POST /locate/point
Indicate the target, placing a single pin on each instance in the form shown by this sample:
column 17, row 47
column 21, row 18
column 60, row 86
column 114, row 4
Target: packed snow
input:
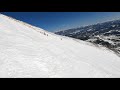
column 29, row 51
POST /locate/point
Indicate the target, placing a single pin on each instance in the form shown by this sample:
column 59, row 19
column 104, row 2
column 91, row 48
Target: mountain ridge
column 89, row 25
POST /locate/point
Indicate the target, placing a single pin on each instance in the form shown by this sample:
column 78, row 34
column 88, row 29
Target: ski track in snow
column 26, row 52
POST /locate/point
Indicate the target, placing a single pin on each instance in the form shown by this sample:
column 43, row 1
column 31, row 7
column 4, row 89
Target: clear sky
column 53, row 21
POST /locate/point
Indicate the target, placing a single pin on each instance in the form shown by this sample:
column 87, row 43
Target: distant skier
column 44, row 33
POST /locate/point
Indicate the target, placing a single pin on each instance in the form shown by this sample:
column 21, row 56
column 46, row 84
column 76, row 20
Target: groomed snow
column 28, row 51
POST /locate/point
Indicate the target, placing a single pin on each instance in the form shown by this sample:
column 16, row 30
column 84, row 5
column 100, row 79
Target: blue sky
column 53, row 21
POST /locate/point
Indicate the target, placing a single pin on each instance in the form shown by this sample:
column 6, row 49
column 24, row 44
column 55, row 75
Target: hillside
column 29, row 51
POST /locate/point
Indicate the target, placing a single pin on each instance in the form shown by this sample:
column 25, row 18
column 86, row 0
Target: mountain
column 29, row 51
column 105, row 34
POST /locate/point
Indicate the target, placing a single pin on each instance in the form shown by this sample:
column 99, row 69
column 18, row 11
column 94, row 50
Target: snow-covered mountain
column 29, row 51
column 104, row 34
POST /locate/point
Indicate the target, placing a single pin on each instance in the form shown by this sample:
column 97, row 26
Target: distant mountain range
column 104, row 34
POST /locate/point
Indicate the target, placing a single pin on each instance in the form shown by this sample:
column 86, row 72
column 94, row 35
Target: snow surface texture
column 27, row 51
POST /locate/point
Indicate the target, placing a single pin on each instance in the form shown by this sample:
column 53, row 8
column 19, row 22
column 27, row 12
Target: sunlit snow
column 28, row 51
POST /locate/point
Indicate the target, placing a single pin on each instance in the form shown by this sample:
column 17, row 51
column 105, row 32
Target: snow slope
column 28, row 51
